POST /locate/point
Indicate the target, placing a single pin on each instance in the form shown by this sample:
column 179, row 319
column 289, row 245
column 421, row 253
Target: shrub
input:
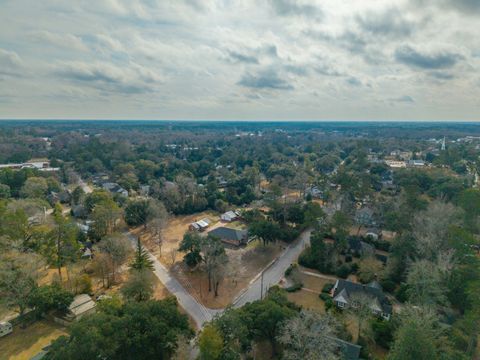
column 329, row 304
column 325, row 297
column 383, row 332
column 343, row 271
column 289, row 270
column 327, row 288
column 402, row 293
column 388, row 285
column 294, row 287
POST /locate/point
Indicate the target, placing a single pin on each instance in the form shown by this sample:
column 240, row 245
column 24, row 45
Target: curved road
column 271, row 276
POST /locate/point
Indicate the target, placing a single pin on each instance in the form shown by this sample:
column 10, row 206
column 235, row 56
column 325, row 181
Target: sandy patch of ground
column 244, row 264
column 25, row 343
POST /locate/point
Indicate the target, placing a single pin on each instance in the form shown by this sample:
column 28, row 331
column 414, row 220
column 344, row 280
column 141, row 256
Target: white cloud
column 240, row 58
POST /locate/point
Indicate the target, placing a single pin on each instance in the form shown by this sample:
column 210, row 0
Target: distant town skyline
column 240, row 60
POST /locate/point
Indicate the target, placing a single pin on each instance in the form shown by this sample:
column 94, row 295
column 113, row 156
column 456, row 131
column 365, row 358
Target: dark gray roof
column 349, row 351
column 370, row 290
column 229, row 233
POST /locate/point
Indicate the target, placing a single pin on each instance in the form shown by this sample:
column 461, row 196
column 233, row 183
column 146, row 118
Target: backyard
column 23, row 344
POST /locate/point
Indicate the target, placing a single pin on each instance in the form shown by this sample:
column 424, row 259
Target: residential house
column 230, row 236
column 358, row 248
column 364, row 216
column 114, row 188
column 375, row 234
column 344, row 293
column 314, row 192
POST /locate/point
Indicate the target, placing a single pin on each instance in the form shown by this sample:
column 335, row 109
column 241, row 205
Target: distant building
column 416, row 163
column 230, row 216
column 396, row 164
column 230, row 236
column 375, row 234
column 114, row 188
column 345, row 292
column 365, row 217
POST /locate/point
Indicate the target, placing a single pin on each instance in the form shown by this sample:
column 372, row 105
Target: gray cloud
column 10, row 63
column 404, row 99
column 353, row 81
column 294, row 7
column 413, row 58
column 268, row 79
column 108, row 77
column 389, row 23
column 243, row 58
column 440, row 75
column 252, row 56
column 468, row 7
column 296, row 69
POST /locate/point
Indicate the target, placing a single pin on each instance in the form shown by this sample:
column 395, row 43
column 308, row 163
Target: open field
column 244, row 264
column 23, row 344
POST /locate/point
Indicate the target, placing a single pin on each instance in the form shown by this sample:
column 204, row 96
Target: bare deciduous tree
column 309, row 336
column 173, row 256
column 157, row 221
column 215, row 258
column 426, row 282
column 116, row 249
column 431, row 228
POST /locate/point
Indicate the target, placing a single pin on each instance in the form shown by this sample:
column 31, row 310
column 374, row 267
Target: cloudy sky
column 240, row 59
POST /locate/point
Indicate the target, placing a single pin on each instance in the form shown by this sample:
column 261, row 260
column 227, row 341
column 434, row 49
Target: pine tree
column 142, row 260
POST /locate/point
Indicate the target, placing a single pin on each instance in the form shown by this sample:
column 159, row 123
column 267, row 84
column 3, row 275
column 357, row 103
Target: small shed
column 200, row 225
column 230, row 216
column 81, row 305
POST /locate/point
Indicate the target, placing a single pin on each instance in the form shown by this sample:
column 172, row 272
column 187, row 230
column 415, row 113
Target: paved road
column 273, row 274
column 196, row 310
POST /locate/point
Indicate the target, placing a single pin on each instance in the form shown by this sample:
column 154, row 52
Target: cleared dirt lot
column 244, row 264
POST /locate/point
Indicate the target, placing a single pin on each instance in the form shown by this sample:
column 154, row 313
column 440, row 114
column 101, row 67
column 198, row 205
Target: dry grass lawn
column 308, row 297
column 307, row 300
column 23, row 344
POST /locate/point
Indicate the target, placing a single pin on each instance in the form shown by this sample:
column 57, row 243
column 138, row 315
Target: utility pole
column 261, row 287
